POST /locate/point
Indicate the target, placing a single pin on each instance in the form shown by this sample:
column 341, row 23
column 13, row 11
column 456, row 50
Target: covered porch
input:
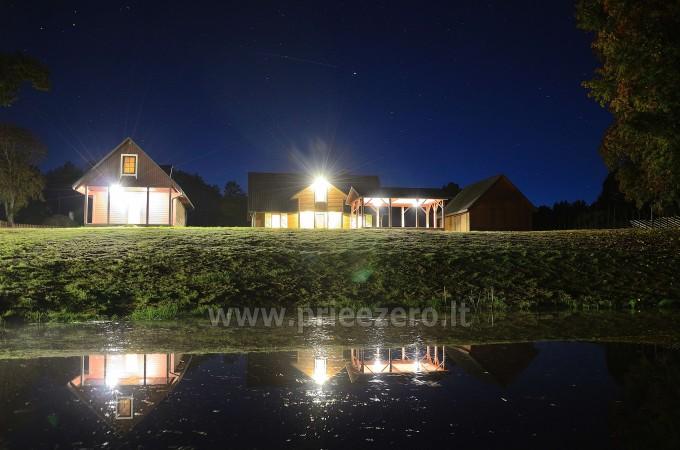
column 118, row 205
column 397, row 208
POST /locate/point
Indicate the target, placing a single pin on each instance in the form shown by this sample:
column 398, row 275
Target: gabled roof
column 467, row 198
column 276, row 191
column 150, row 174
column 469, row 195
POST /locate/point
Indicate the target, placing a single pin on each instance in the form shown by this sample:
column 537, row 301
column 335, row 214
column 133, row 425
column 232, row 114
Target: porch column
column 170, row 206
column 402, row 217
column 87, row 201
column 427, row 217
column 443, row 224
column 351, row 214
column 363, row 213
column 417, row 208
column 108, row 205
column 389, row 216
column 434, row 215
column 147, row 205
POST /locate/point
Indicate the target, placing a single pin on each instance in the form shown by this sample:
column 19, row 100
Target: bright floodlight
column 320, row 187
column 115, row 188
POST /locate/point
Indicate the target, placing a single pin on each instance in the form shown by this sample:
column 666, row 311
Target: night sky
column 418, row 93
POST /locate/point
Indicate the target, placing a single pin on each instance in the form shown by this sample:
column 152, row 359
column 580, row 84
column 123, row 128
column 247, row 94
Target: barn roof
column 151, row 174
column 470, row 194
column 467, row 198
column 269, row 191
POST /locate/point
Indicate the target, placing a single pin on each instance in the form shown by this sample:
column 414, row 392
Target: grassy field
column 53, row 274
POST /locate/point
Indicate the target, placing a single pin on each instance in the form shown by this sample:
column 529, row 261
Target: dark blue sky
column 418, row 93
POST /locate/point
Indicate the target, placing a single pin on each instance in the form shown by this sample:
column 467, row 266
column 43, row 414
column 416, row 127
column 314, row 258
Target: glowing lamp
column 320, row 187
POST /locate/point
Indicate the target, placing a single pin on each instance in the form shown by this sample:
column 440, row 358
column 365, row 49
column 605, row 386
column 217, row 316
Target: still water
column 413, row 395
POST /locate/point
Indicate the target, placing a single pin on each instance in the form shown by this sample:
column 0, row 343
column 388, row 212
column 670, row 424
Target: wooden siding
column 100, row 206
column 457, row 222
column 335, row 197
column 180, row 214
column 501, row 208
column 259, row 219
column 159, row 206
column 293, row 220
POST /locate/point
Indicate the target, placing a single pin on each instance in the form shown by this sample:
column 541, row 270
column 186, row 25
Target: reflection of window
column 124, row 408
column 128, row 165
column 307, row 219
column 320, row 370
column 334, row 220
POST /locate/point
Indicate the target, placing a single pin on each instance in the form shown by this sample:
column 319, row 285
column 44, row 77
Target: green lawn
column 138, row 272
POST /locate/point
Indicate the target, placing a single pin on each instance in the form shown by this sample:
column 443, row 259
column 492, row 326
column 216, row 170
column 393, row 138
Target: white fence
column 661, row 222
column 4, row 224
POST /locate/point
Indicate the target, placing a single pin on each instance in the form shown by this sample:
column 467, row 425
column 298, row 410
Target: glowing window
column 276, row 220
column 128, row 165
column 307, row 219
column 334, row 220
column 320, row 220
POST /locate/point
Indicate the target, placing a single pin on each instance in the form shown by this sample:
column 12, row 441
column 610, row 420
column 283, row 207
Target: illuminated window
column 307, row 219
column 320, row 220
column 128, row 165
column 276, row 220
column 320, row 195
column 334, row 220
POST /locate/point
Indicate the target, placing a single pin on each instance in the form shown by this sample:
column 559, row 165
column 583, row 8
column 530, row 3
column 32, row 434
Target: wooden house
column 128, row 188
column 288, row 200
column 493, row 204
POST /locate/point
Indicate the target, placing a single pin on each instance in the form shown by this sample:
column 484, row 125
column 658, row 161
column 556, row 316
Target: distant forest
column 227, row 206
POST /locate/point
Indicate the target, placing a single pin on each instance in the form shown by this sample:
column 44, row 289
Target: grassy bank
column 148, row 273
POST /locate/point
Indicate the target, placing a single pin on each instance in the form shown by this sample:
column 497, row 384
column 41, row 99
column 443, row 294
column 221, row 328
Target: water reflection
column 536, row 395
column 121, row 389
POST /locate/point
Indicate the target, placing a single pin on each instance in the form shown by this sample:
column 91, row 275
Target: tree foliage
column 212, row 207
column 451, row 189
column 17, row 69
column 20, row 179
column 638, row 44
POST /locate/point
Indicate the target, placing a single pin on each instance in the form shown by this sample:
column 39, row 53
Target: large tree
column 17, row 69
column 638, row 44
column 20, row 179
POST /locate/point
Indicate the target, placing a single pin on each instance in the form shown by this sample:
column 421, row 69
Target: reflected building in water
column 123, row 388
column 498, row 364
column 400, row 361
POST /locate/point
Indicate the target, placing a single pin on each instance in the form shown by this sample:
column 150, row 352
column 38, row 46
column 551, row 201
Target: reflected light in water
column 320, row 376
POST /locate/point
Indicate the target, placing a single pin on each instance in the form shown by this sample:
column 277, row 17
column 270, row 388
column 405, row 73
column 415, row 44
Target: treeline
column 610, row 210
column 60, row 205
